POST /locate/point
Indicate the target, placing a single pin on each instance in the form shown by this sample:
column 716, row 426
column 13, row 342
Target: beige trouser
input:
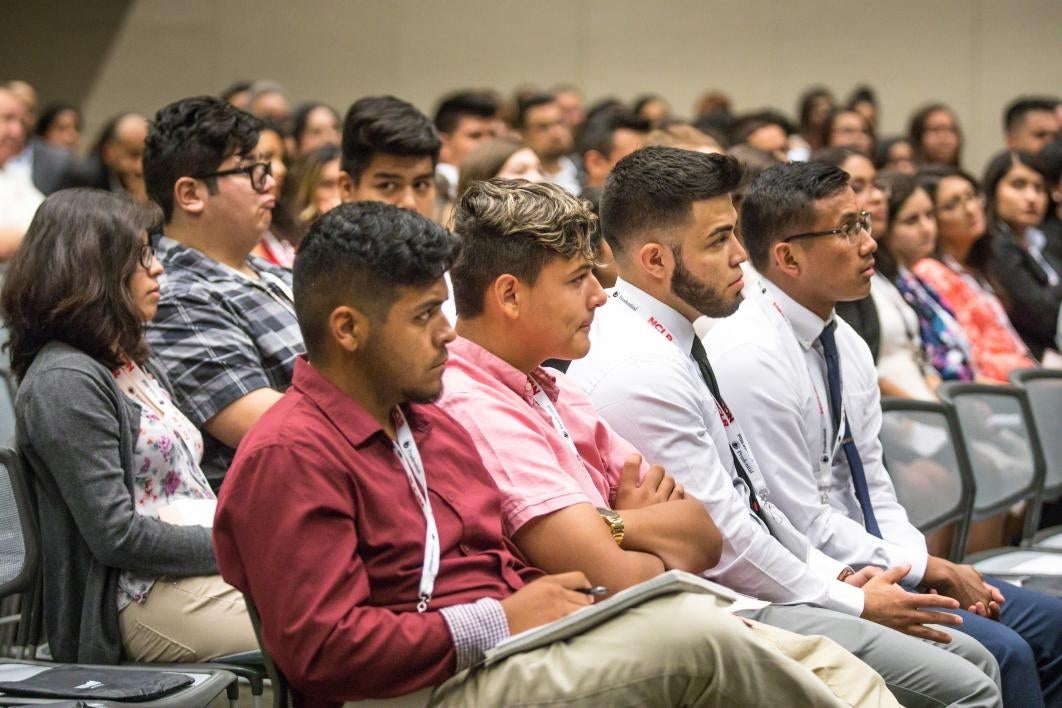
column 187, row 619
column 678, row 650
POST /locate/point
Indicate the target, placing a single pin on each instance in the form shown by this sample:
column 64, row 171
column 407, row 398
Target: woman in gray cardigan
column 107, row 449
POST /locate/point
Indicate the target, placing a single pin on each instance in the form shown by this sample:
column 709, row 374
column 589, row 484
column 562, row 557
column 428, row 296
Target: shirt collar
column 176, row 253
column 347, row 415
column 806, row 324
column 666, row 320
column 523, row 385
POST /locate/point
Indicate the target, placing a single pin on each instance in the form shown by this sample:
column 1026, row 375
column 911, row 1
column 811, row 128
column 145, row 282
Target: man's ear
column 189, row 195
column 507, row 295
column 786, row 258
column 349, row 327
column 656, row 260
column 347, row 187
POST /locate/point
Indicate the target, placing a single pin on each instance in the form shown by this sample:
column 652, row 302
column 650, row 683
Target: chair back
column 7, row 407
column 281, row 693
column 1044, row 390
column 19, row 550
column 926, row 458
column 1003, row 447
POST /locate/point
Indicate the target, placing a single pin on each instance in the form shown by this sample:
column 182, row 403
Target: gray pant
column 918, row 672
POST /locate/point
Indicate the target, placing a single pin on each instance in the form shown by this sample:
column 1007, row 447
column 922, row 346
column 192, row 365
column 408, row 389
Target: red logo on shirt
column 660, row 328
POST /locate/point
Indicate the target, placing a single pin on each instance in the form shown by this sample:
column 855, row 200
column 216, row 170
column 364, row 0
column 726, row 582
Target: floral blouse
column 165, row 461
column 997, row 349
column 944, row 342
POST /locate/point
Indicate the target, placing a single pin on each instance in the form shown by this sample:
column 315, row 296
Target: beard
column 699, row 295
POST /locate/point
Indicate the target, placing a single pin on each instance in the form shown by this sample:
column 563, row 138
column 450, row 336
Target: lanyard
column 734, row 435
column 824, row 463
column 542, row 399
column 405, row 448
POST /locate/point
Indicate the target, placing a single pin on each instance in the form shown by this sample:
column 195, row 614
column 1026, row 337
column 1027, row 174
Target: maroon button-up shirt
column 317, row 524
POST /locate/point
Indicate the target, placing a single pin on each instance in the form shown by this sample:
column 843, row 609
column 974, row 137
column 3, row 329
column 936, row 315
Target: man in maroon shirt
column 361, row 522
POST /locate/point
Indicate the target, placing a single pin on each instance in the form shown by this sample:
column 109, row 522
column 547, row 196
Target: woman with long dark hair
column 958, row 272
column 110, row 455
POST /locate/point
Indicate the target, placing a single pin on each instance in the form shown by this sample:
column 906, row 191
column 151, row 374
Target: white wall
column 972, row 54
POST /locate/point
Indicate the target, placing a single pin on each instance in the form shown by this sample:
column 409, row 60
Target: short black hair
column 655, row 187
column 598, row 132
column 51, row 113
column 360, row 254
column 782, row 198
column 527, row 103
column 191, row 137
column 837, row 155
column 460, row 104
column 746, row 125
column 389, row 125
column 1017, row 109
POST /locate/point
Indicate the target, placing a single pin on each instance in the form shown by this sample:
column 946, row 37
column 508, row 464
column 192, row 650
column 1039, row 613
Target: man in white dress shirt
column 801, row 380
column 19, row 199
column 669, row 218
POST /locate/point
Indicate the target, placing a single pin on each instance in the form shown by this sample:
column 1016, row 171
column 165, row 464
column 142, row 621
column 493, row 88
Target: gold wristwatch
column 614, row 522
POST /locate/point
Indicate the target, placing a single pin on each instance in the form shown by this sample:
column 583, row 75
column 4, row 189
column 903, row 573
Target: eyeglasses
column 960, row 202
column 850, row 230
column 147, row 255
column 258, row 172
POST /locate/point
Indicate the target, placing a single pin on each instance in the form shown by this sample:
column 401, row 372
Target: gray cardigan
column 77, row 432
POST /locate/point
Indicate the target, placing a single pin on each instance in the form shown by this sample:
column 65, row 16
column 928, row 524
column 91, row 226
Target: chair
column 927, row 461
column 1008, row 467
column 19, row 574
column 1044, row 390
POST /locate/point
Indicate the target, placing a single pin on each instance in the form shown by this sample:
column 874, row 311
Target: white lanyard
column 734, row 435
column 406, row 451
column 542, row 399
column 824, row 464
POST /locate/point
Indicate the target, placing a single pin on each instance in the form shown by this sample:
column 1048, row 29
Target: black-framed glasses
column 147, row 255
column 258, row 172
column 851, row 230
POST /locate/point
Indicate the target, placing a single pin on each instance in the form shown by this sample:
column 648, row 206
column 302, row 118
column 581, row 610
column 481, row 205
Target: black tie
column 701, row 357
column 851, row 453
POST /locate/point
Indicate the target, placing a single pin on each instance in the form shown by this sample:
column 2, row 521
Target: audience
column 225, row 331
column 60, row 125
column 935, row 136
column 941, row 280
column 115, row 162
column 958, row 271
column 107, row 449
column 19, row 198
column 465, row 120
column 668, row 215
column 816, row 396
column 1030, row 123
column 315, row 125
column 1027, row 267
column 360, row 607
column 542, row 128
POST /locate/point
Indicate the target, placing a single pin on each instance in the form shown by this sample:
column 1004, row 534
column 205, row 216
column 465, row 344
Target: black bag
column 97, row 682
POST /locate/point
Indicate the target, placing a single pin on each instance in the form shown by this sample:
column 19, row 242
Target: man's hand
column 888, row 604
column 965, row 584
column 862, row 577
column 655, row 488
column 544, row 600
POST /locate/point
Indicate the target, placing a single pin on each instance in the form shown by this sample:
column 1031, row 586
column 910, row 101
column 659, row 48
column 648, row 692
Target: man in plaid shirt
column 225, row 329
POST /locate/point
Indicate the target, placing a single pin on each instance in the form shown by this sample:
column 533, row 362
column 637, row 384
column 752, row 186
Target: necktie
column 855, row 464
column 701, row 357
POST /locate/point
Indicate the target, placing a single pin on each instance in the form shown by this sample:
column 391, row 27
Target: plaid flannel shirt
column 221, row 335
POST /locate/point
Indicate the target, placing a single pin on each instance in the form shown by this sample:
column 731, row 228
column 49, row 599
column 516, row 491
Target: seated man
column 816, row 400
column 362, row 524
column 524, row 293
column 225, row 328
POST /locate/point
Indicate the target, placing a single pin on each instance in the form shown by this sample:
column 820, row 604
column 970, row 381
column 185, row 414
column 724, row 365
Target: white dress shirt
column 19, row 199
column 642, row 379
column 772, row 374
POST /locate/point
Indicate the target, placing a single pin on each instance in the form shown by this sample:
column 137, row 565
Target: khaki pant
column 187, row 620
column 678, row 650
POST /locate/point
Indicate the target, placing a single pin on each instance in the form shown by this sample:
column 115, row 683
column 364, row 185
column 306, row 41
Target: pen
column 596, row 590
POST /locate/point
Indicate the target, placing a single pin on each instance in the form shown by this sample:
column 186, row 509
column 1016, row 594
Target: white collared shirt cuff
column 919, row 560
column 845, row 598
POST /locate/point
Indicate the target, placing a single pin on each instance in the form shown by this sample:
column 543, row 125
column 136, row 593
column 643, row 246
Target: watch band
column 614, row 522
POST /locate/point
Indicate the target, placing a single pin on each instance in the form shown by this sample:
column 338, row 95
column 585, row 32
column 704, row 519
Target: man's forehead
column 833, row 207
column 405, row 164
